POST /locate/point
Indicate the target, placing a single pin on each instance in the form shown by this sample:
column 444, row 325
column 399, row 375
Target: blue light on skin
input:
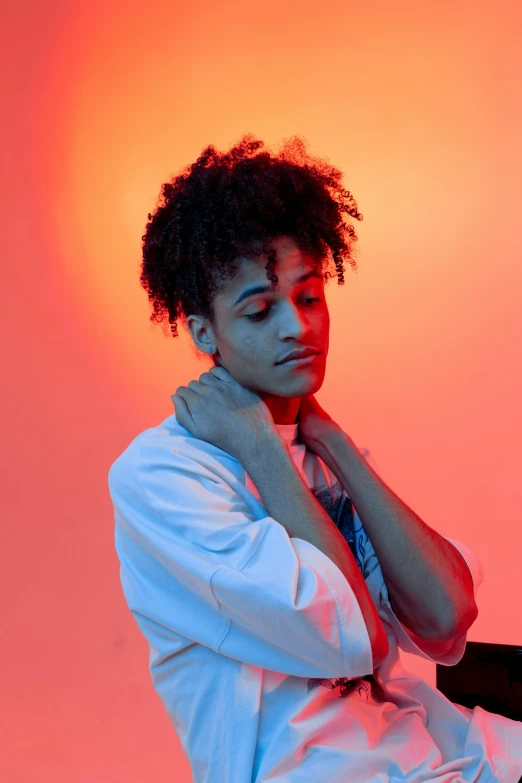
column 249, row 349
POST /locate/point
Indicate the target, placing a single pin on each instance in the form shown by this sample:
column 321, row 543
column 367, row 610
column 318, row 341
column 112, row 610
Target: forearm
column 428, row 581
column 289, row 501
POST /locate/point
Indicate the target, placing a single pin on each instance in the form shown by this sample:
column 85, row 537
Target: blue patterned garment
column 339, row 507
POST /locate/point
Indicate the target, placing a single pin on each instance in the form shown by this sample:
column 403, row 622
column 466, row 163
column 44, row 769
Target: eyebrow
column 261, row 289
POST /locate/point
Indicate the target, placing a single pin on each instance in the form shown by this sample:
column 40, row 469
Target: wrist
column 268, row 438
column 262, row 446
column 327, row 443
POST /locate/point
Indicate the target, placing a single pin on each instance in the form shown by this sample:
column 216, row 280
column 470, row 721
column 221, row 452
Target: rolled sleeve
column 291, row 609
column 446, row 653
column 196, row 563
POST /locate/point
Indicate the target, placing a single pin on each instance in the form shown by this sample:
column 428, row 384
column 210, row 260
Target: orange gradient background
column 419, row 105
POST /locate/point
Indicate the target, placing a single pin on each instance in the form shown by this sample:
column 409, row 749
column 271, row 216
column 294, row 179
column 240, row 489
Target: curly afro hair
column 229, row 206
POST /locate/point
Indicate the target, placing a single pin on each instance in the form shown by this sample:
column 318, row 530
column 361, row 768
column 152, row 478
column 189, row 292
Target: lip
column 301, row 362
column 309, row 351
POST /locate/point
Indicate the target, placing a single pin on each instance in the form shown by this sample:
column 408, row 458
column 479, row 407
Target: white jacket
column 250, row 632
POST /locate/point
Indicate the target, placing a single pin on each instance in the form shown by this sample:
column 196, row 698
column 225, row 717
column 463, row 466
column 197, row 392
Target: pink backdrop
column 419, row 104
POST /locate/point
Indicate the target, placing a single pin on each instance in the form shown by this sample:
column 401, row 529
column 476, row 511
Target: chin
column 307, row 383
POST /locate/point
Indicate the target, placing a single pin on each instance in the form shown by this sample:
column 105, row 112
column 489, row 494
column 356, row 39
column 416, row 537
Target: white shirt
column 250, row 630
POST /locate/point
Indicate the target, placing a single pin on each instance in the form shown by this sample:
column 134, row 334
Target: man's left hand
column 315, row 424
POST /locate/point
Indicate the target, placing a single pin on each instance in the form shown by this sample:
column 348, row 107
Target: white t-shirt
column 250, row 632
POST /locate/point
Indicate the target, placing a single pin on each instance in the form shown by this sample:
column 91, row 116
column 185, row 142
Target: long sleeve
column 194, row 562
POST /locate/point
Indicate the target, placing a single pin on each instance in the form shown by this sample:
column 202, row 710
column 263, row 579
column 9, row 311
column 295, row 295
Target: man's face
column 293, row 316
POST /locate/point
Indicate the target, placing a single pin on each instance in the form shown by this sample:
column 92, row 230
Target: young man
column 272, row 572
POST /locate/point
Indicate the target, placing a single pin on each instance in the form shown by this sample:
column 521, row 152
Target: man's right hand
column 221, row 411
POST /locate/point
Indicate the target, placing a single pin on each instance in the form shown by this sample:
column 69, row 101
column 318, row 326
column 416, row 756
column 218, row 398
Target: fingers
column 204, row 380
column 216, row 375
column 193, row 385
column 184, row 391
column 211, row 378
column 220, row 372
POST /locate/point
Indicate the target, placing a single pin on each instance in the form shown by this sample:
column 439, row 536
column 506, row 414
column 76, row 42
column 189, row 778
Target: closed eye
column 263, row 313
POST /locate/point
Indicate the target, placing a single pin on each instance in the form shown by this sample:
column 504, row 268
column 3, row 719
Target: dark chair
column 489, row 675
